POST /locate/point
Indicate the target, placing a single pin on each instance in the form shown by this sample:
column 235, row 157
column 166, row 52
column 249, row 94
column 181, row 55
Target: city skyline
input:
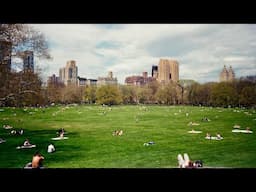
column 130, row 49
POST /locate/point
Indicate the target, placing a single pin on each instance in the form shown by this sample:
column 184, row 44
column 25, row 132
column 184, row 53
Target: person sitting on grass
column 20, row 132
column 27, row 143
column 61, row 132
column 120, row 132
column 115, row 133
column 208, row 136
column 37, row 160
column 51, row 148
column 61, row 135
column 219, row 136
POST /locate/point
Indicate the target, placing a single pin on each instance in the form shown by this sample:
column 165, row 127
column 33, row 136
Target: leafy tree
column 144, row 94
column 224, row 94
column 128, row 94
column 248, row 95
column 167, row 94
column 108, row 95
column 90, row 94
column 153, row 86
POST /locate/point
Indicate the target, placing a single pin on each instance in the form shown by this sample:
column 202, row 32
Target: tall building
column 109, row 80
column 68, row 74
column 174, row 70
column 231, row 74
column 227, row 75
column 164, row 70
column 28, row 61
column 5, row 55
column 167, row 70
column 224, row 74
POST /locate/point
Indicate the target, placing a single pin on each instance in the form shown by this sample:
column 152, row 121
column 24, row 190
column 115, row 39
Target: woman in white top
column 51, row 148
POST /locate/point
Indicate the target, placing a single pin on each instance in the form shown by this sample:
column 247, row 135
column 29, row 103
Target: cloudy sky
column 129, row 49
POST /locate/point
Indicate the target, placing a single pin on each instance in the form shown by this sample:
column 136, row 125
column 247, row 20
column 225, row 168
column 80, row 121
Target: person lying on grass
column 2, row 140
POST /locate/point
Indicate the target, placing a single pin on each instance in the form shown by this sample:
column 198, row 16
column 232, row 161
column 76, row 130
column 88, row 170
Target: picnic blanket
column 194, row 131
column 59, row 138
column 214, row 138
column 241, row 131
column 26, row 147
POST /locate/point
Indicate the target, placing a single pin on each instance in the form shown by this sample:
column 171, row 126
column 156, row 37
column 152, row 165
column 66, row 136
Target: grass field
column 92, row 145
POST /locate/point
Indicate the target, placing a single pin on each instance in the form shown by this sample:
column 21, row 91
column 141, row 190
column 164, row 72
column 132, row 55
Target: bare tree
column 15, row 39
column 24, row 37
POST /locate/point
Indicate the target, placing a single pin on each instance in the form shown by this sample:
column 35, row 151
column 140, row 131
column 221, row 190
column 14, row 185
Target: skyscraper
column 5, row 55
column 227, row 75
column 231, row 74
column 168, row 70
column 28, row 61
column 68, row 74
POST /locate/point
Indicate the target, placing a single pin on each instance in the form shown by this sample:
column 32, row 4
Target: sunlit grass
column 92, row 145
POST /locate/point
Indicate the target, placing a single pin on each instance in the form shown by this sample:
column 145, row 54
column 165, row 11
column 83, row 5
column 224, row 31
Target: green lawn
column 91, row 144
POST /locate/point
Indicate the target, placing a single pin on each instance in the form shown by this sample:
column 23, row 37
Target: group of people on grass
column 117, row 133
column 37, row 160
column 17, row 132
column 217, row 137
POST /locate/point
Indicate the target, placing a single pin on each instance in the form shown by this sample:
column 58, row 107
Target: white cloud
column 238, row 58
column 201, row 49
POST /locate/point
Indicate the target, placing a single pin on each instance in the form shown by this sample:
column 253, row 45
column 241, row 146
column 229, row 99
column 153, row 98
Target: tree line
column 223, row 94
